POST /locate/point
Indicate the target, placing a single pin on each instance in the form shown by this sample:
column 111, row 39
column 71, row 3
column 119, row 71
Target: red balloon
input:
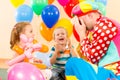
column 68, row 7
column 76, row 34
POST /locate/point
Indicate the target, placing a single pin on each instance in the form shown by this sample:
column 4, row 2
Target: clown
column 104, row 48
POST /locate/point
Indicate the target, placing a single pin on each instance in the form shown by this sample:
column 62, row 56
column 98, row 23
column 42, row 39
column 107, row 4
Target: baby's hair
column 15, row 34
column 60, row 27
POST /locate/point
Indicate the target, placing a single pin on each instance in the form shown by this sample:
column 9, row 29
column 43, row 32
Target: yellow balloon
column 65, row 23
column 85, row 0
column 81, row 0
column 17, row 3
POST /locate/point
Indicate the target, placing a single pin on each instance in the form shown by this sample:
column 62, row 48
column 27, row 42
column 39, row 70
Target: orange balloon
column 40, row 66
column 46, row 32
column 44, row 48
column 50, row 1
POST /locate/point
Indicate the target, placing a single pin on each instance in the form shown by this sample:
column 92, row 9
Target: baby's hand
column 69, row 44
column 59, row 47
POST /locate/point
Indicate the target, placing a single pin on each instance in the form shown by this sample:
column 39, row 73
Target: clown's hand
column 28, row 53
column 80, row 27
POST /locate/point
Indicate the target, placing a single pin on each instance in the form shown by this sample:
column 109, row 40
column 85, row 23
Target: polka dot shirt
column 104, row 31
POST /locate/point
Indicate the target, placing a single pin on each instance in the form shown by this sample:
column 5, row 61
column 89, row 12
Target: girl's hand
column 36, row 60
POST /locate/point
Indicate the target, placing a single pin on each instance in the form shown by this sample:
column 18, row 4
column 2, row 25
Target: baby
column 60, row 53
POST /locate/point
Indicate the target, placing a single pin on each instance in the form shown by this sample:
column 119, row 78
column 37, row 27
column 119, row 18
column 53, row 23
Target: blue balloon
column 24, row 13
column 50, row 15
column 45, row 57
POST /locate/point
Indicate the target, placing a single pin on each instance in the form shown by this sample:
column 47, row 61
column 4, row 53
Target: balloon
column 44, row 29
column 38, row 5
column 63, row 2
column 24, row 71
column 102, row 1
column 65, row 23
column 50, row 15
column 44, row 57
column 101, row 8
column 85, row 0
column 44, row 48
column 81, row 0
column 24, row 13
column 17, row 3
column 50, row 1
column 68, row 8
column 76, row 35
column 16, row 60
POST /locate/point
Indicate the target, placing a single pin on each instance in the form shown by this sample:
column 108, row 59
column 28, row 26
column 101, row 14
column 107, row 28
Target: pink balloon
column 24, row 71
column 63, row 2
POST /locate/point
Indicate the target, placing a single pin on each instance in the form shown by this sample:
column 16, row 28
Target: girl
column 23, row 44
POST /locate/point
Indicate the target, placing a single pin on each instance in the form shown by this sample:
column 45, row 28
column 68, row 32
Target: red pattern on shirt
column 104, row 31
column 118, row 68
